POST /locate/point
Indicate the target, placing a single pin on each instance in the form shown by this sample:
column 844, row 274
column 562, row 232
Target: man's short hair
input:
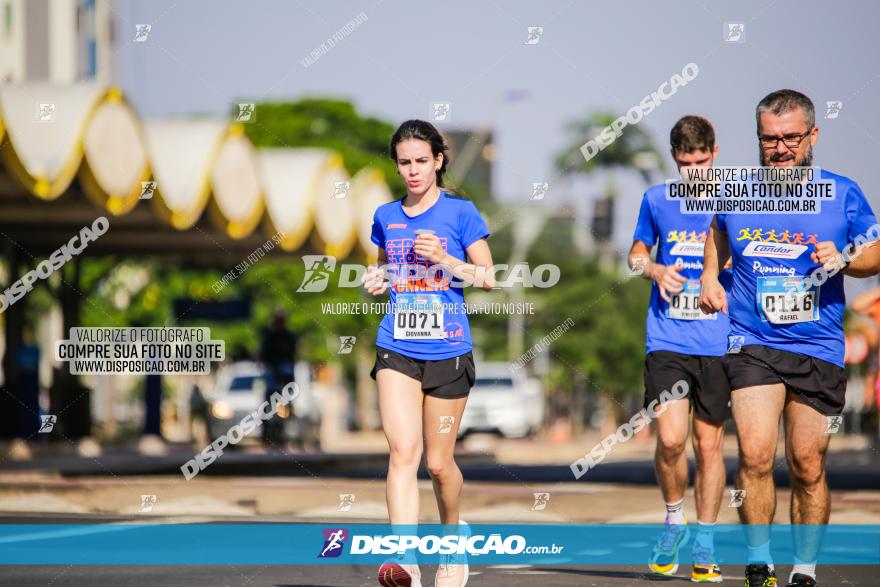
column 782, row 101
column 692, row 133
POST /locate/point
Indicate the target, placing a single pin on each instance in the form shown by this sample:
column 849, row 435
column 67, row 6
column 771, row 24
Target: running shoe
column 453, row 570
column 759, row 576
column 393, row 573
column 705, row 570
column 664, row 559
column 801, row 580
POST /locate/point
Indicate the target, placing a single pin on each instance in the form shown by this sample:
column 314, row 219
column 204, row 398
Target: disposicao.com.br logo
column 322, row 270
column 430, row 544
column 334, row 542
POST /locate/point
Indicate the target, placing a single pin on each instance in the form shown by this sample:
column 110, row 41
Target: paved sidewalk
column 283, row 499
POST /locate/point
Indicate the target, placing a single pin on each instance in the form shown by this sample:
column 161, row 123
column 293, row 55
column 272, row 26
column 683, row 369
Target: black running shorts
column 820, row 384
column 708, row 389
column 446, row 378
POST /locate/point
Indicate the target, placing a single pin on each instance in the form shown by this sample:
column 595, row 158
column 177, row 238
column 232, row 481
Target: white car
column 510, row 404
column 241, row 388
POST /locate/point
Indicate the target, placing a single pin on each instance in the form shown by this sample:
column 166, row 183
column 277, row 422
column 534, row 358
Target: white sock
column 761, row 555
column 705, row 535
column 802, row 568
column 675, row 512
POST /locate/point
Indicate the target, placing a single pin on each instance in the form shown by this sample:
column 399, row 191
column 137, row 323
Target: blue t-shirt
column 458, row 225
column 679, row 327
column 771, row 253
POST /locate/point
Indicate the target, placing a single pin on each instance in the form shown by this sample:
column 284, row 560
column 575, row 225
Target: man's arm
column 716, row 251
column 639, row 259
column 864, row 260
column 667, row 277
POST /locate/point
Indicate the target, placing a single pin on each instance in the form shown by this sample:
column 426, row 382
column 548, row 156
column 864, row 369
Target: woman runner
column 424, row 365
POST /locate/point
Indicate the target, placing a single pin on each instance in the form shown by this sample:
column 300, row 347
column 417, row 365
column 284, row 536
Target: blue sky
column 202, row 56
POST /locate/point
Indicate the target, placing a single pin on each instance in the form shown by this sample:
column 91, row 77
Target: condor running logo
column 334, row 542
column 687, row 249
column 687, row 244
column 788, row 237
column 774, row 250
column 683, row 236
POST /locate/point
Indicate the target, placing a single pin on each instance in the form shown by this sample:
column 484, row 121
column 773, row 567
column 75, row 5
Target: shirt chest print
column 411, row 271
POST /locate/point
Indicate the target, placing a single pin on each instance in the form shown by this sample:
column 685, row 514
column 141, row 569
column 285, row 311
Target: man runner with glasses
column 790, row 364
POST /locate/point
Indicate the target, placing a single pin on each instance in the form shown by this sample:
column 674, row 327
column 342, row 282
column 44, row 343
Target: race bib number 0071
column 685, row 305
column 418, row 316
column 780, row 302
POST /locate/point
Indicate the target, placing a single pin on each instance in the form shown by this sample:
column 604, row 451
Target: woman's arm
column 478, row 273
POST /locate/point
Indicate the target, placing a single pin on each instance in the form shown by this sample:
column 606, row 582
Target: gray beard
column 807, row 161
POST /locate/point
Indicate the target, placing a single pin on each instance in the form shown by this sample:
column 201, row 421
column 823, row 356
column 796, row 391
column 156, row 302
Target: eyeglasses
column 790, row 141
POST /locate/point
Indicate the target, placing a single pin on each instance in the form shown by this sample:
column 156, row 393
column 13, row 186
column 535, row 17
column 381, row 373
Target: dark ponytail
column 422, row 131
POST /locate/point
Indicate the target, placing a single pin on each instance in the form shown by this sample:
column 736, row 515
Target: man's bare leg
column 756, row 412
column 708, row 488
column 806, row 445
column 709, row 483
column 670, row 462
column 670, row 458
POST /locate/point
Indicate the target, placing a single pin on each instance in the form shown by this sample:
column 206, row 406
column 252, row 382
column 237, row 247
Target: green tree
column 362, row 141
column 633, row 149
column 604, row 349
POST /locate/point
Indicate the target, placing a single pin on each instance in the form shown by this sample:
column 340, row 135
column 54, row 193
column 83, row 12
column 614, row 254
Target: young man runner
column 682, row 345
column 790, row 363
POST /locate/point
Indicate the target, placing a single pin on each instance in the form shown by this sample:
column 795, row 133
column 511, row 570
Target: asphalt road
column 364, row 576
column 360, row 576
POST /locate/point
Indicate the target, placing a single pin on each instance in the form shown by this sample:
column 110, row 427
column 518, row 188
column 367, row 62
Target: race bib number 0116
column 685, row 305
column 418, row 316
column 780, row 302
